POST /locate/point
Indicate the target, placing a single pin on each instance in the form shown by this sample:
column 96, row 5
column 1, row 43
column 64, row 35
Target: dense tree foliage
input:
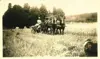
column 34, row 14
column 58, row 13
column 92, row 18
column 43, row 12
column 15, row 16
column 23, row 16
column 86, row 17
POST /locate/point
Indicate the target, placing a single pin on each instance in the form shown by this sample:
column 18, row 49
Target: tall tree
column 58, row 13
column 34, row 14
column 43, row 12
column 9, row 6
column 54, row 11
column 26, row 7
column 15, row 17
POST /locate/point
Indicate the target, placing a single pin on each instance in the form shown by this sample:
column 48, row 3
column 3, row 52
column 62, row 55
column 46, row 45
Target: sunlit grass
column 21, row 42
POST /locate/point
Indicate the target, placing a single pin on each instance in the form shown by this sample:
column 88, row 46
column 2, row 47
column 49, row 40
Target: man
column 38, row 25
column 39, row 21
column 90, row 48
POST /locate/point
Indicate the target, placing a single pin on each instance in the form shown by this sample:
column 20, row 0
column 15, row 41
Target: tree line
column 17, row 16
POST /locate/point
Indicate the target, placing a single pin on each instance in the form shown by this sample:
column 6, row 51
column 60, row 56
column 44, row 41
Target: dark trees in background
column 58, row 13
column 86, row 17
column 43, row 12
column 92, row 18
column 17, row 16
column 34, row 14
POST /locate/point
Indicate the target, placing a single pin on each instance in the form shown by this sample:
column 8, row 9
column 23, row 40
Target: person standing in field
column 38, row 25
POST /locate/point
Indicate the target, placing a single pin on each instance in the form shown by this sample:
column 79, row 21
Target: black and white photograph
column 52, row 28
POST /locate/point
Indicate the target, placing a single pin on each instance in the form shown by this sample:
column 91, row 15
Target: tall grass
column 21, row 42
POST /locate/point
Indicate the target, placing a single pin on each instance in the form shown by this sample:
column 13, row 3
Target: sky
column 70, row 7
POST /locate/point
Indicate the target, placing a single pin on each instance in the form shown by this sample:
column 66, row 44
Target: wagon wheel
column 32, row 31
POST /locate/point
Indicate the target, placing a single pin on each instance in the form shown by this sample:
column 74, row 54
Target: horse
column 60, row 27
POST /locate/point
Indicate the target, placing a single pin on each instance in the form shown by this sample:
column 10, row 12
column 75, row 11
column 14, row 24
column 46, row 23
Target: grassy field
column 21, row 42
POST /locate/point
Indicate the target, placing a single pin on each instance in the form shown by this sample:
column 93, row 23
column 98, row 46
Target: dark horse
column 54, row 27
column 60, row 27
column 46, row 27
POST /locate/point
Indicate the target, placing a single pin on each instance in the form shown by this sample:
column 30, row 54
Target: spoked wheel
column 32, row 31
